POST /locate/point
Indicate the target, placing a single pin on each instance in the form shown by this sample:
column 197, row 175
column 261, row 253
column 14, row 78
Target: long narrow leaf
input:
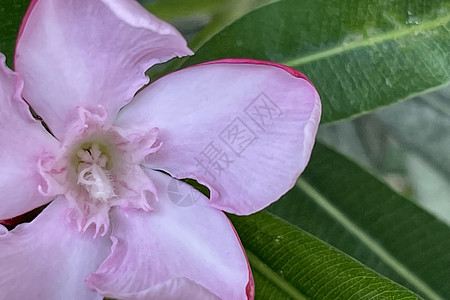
column 342, row 204
column 290, row 264
column 360, row 54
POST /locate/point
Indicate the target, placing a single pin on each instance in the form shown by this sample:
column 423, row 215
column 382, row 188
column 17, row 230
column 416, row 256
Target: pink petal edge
column 24, row 20
column 290, row 70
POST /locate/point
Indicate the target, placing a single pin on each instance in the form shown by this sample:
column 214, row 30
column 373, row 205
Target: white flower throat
column 94, row 174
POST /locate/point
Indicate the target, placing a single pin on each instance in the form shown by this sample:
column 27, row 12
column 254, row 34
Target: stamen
column 92, row 174
column 84, row 155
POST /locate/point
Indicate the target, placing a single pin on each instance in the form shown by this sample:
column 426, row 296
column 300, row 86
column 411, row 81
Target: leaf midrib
column 365, row 238
column 276, row 279
column 391, row 35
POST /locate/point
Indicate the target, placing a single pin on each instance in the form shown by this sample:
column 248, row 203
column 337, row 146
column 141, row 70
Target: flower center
column 94, row 172
column 99, row 168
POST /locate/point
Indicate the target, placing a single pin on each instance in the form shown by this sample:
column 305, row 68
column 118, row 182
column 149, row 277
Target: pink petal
column 174, row 289
column 89, row 52
column 48, row 259
column 172, row 246
column 243, row 128
column 24, row 143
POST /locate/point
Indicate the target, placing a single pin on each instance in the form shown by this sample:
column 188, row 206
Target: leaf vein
column 367, row 239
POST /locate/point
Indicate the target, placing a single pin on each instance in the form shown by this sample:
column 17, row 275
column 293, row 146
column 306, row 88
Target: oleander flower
column 119, row 223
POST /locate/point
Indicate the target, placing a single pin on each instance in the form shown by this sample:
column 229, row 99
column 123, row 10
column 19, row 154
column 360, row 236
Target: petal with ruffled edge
column 190, row 247
column 88, row 52
column 24, row 143
column 243, row 128
column 48, row 258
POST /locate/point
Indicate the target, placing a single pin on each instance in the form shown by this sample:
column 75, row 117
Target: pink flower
column 117, row 226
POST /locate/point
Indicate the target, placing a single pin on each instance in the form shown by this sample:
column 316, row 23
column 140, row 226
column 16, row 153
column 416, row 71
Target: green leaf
column 219, row 12
column 359, row 54
column 407, row 145
column 290, row 264
column 11, row 14
column 340, row 203
column 189, row 16
column 171, row 10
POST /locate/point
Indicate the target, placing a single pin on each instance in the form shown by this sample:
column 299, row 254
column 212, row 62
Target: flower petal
column 243, row 128
column 173, row 289
column 48, row 258
column 24, row 143
column 89, row 52
column 174, row 245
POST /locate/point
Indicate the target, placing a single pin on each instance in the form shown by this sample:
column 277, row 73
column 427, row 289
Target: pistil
column 93, row 174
